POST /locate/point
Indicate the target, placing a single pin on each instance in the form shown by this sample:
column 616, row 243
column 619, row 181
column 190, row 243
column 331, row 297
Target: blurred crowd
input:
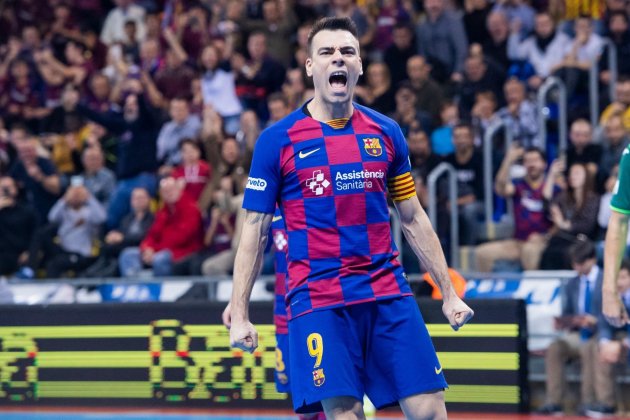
column 127, row 127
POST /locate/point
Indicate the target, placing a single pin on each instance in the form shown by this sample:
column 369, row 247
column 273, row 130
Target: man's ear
column 309, row 67
column 361, row 70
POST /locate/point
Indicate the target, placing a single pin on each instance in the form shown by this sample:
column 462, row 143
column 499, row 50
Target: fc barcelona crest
column 372, row 146
column 318, row 377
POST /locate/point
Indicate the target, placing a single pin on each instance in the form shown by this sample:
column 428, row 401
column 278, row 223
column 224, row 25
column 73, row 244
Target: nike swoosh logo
column 276, row 218
column 302, row 155
column 438, row 371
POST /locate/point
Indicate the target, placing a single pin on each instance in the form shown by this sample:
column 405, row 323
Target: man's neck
column 323, row 111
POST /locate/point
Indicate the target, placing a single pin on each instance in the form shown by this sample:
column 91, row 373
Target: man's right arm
column 249, row 257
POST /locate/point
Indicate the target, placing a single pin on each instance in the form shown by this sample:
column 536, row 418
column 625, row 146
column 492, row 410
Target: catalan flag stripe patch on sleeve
column 401, row 187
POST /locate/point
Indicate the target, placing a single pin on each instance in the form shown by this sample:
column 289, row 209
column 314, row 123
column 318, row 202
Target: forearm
column 248, row 261
column 502, row 179
column 425, row 244
column 614, row 250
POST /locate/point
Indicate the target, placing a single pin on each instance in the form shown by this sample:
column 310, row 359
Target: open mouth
column 338, row 80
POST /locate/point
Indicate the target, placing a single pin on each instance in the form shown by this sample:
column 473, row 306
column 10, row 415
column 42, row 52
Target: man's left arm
column 425, row 244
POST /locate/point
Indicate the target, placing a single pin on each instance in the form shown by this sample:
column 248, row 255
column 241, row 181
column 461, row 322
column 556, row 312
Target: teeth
column 338, row 73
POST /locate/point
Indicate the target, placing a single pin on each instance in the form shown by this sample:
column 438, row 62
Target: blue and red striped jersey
column 330, row 182
column 280, row 243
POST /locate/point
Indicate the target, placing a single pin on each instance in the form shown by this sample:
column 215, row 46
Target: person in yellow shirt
column 621, row 104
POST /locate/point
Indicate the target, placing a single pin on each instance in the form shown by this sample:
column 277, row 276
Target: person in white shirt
column 543, row 50
column 114, row 26
column 218, row 89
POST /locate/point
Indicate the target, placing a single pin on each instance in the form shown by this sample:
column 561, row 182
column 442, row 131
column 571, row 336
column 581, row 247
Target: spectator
column 181, row 126
column 174, row 76
column 257, row 77
column 278, row 105
column 17, row 225
column 406, row 114
column 609, row 353
column 420, row 154
column 114, row 26
column 581, row 300
column 175, row 234
column 574, row 215
column 363, row 21
column 483, row 114
column 99, row 93
column 19, row 98
column 519, row 114
column 530, row 216
column 441, row 40
column 133, row 229
column 136, row 160
column 495, row 48
column 34, row 174
column 620, row 105
column 478, row 77
column 378, row 93
column 468, row 164
column 150, row 59
column 475, row 19
column 396, row 56
column 294, row 88
column 517, row 11
column 218, row 88
column 543, row 50
column 619, row 34
column 222, row 263
column 75, row 221
column 130, row 45
column 614, row 142
column 278, row 25
column 99, row 181
column 390, row 13
column 582, row 149
column 428, row 92
column 579, row 55
column 442, row 137
column 193, row 170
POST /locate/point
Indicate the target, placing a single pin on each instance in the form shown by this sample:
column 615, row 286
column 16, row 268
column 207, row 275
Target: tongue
column 337, row 85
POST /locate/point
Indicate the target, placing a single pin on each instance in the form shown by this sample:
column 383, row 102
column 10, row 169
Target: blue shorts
column 282, row 363
column 381, row 349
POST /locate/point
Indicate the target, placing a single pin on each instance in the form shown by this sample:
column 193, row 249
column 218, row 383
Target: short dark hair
column 464, row 125
column 192, row 142
column 535, row 149
column 332, row 24
column 278, row 96
column 625, row 263
column 582, row 249
column 618, row 13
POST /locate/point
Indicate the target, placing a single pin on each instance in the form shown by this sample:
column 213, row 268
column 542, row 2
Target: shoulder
column 388, row 125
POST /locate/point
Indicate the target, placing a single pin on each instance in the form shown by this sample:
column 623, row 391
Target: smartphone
column 76, row 181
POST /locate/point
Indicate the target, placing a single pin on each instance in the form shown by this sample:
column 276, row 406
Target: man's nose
column 337, row 57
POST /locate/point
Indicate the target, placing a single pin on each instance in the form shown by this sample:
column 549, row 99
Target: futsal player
column 354, row 326
column 615, row 246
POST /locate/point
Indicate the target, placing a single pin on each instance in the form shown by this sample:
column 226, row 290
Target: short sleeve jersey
column 330, row 182
column 279, row 237
column 620, row 201
column 529, row 210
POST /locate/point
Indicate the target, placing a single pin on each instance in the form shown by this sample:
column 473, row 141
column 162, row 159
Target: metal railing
column 543, row 112
column 488, row 179
column 452, row 196
column 593, row 81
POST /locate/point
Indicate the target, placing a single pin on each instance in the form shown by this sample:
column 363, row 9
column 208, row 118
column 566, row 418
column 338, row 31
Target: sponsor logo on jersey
column 318, row 183
column 257, row 184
